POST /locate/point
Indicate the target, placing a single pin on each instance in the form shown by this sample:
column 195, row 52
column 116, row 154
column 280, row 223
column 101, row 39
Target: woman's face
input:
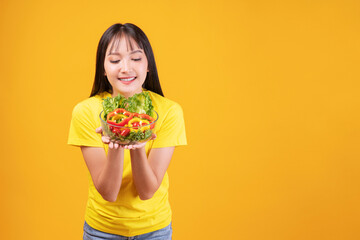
column 125, row 69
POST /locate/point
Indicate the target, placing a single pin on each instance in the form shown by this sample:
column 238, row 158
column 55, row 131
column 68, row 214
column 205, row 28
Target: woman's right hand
column 105, row 168
column 107, row 140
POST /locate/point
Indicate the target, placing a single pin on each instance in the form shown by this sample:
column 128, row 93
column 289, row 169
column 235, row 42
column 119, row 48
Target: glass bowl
column 128, row 134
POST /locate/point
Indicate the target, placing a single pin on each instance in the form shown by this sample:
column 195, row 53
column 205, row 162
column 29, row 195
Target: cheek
column 109, row 68
column 145, row 67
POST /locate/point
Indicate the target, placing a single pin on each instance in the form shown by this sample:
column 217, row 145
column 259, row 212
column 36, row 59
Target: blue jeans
column 93, row 234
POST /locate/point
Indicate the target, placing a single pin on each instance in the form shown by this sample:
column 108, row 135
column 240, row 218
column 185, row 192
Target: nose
column 124, row 66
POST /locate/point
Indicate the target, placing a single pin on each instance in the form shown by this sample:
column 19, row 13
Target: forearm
column 109, row 180
column 144, row 178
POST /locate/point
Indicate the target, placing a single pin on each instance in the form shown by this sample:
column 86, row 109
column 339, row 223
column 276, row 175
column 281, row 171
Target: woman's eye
column 114, row 61
column 137, row 59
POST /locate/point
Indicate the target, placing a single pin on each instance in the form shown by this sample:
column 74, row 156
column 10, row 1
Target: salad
column 128, row 120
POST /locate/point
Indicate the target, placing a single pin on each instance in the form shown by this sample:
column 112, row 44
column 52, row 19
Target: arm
column 149, row 172
column 106, row 171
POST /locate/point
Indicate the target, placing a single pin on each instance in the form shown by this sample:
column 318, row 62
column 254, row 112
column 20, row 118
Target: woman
column 128, row 185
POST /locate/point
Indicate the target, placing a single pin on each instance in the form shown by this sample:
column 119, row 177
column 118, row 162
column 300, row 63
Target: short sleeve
column 82, row 128
column 172, row 130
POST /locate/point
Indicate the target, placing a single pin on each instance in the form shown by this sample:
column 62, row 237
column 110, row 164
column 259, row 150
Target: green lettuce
column 112, row 103
column 139, row 103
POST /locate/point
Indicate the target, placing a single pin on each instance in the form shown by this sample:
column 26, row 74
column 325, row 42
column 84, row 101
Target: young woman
column 128, row 185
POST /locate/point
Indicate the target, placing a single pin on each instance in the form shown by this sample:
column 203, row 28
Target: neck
column 125, row 94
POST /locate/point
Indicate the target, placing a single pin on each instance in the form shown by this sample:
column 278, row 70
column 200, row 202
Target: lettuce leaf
column 112, row 103
column 139, row 103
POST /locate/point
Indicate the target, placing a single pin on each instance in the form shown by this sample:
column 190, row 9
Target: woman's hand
column 140, row 145
column 107, row 140
column 115, row 145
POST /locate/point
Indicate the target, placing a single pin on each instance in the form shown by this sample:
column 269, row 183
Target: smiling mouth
column 127, row 79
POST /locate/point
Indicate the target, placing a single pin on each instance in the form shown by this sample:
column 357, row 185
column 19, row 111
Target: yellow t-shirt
column 129, row 215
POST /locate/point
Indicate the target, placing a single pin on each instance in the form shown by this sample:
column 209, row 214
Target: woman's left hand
column 140, row 145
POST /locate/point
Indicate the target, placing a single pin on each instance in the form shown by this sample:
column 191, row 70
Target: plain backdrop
column 270, row 93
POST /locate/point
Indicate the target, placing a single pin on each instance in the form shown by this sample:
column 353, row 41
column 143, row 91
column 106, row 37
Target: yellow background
column 270, row 92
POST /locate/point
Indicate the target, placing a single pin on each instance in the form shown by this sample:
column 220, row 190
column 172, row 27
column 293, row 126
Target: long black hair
column 131, row 31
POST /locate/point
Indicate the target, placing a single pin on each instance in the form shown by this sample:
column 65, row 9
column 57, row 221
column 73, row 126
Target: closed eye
column 137, row 59
column 115, row 61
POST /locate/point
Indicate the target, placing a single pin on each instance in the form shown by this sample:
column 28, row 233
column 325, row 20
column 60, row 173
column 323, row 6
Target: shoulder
column 89, row 106
column 170, row 127
column 163, row 104
column 168, row 110
column 85, row 119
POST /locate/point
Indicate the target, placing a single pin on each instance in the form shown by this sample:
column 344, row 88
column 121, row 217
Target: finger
column 136, row 146
column 98, row 130
column 116, row 145
column 153, row 136
column 111, row 145
column 105, row 139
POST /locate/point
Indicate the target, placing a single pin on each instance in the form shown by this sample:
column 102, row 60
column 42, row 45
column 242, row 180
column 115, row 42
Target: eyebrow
column 116, row 53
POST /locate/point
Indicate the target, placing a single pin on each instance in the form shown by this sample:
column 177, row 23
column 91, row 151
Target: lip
column 127, row 82
column 126, row 77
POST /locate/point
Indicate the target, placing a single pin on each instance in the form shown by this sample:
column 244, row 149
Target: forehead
column 122, row 43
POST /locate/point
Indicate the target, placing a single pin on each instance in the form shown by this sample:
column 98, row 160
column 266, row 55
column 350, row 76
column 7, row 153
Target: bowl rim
column 157, row 117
